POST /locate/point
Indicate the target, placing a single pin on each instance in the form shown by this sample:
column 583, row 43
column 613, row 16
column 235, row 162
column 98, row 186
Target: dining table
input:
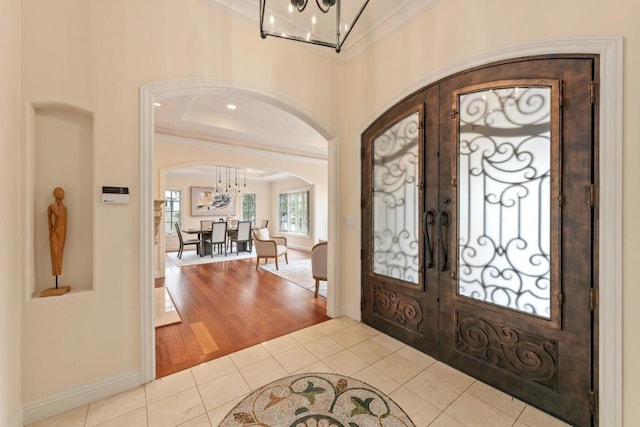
column 203, row 233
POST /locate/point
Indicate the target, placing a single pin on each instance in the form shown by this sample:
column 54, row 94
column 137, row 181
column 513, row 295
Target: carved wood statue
column 57, row 219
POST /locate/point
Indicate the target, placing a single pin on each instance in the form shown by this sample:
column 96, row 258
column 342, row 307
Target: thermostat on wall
column 115, row 194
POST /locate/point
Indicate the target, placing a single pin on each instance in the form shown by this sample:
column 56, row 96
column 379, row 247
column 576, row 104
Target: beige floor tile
column 323, row 347
column 137, row 418
column 199, row 421
column 329, row 327
column 388, row 342
column 471, row 411
column 112, row 407
column 217, row 415
column 223, row 390
column 419, row 410
column 434, row 389
column 169, row 385
column 262, row 373
column 416, row 357
column 306, row 335
column 505, row 403
column 397, row 367
column 295, row 359
column 370, row 351
column 280, row 345
column 74, row 418
column 346, row 321
column 374, row 377
column 249, row 356
column 533, row 417
column 349, row 337
column 445, row 420
column 366, row 330
column 213, row 369
column 455, row 377
column 345, row 363
column 316, row 367
column 176, row 409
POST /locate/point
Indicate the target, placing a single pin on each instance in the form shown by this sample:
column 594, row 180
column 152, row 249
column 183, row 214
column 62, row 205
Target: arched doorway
column 154, row 92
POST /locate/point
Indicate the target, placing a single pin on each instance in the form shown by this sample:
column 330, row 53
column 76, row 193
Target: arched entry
column 609, row 320
column 151, row 93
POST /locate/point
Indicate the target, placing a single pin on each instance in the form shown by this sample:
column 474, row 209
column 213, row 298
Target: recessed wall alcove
column 61, row 155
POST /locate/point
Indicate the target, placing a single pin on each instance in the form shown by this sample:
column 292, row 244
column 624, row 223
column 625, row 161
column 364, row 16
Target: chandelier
column 327, row 24
column 228, row 180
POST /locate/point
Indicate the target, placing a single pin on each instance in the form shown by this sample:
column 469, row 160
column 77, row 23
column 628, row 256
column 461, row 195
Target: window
column 172, row 210
column 249, row 208
column 294, row 212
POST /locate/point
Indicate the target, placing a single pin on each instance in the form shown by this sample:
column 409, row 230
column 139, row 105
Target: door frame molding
column 610, row 50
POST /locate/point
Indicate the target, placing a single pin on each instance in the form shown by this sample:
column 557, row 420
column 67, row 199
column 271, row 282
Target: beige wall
column 96, row 54
column 443, row 37
column 10, row 325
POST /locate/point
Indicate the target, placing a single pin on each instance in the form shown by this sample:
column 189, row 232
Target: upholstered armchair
column 319, row 263
column 269, row 246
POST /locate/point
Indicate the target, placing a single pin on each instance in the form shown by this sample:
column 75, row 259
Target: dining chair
column 319, row 263
column 242, row 235
column 269, row 246
column 218, row 237
column 264, row 223
column 187, row 242
column 206, row 224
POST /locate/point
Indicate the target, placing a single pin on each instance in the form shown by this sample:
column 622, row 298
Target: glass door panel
column 504, row 168
column 396, row 245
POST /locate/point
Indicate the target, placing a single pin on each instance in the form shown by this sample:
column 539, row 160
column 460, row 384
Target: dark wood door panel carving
column 504, row 231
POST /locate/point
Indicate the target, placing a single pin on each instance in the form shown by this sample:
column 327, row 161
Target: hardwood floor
column 228, row 306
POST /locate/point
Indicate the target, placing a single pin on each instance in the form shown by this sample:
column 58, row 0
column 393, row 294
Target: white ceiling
column 256, row 124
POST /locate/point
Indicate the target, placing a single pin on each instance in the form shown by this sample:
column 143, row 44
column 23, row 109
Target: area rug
column 165, row 310
column 298, row 272
column 191, row 258
column 317, row 399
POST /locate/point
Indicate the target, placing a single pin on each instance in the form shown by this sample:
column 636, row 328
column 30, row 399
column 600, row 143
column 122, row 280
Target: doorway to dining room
column 181, row 140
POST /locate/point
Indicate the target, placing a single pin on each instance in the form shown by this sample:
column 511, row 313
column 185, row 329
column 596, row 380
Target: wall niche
column 62, row 156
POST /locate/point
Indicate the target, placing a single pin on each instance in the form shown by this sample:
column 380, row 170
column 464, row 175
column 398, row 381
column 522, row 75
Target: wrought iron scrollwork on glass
column 395, row 201
column 504, row 198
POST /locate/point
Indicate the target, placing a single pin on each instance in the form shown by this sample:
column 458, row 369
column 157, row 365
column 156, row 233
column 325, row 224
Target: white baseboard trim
column 57, row 404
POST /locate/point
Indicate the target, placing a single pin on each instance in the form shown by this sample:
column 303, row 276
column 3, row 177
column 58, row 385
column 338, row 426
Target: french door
column 479, row 217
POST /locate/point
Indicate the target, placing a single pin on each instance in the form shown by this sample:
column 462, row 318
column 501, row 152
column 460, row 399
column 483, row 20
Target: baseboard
column 57, row 404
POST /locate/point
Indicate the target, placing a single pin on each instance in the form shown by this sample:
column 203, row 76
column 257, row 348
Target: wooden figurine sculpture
column 57, row 219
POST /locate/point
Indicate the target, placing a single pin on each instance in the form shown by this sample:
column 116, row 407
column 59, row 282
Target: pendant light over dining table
column 227, row 180
column 325, row 24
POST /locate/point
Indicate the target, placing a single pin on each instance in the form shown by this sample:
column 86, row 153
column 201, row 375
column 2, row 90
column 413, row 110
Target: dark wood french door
column 479, row 228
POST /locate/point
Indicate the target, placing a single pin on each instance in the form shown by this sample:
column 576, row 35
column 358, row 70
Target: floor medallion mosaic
column 317, row 400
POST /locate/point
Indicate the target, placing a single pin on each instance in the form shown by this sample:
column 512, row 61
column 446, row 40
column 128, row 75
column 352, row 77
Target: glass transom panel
column 504, row 198
column 395, row 201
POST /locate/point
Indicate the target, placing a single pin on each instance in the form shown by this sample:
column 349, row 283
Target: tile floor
column 431, row 393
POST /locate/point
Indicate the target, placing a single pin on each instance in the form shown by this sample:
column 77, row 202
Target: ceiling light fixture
column 226, row 180
column 295, row 22
column 231, row 106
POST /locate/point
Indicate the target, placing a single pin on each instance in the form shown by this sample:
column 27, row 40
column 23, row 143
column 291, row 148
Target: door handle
column 443, row 223
column 428, row 218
